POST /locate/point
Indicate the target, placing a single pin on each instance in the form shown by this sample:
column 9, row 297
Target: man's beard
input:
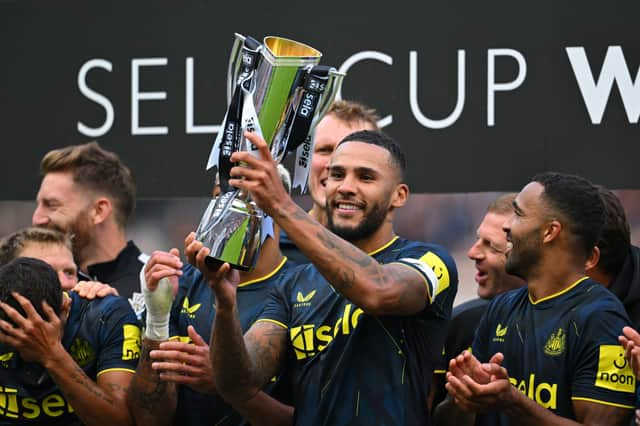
column 80, row 233
column 370, row 223
column 524, row 256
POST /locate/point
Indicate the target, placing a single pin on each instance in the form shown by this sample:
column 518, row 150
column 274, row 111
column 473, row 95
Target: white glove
column 158, row 304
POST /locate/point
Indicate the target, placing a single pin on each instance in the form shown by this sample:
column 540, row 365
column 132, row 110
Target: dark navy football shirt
column 195, row 305
column 349, row 367
column 101, row 335
column 559, row 349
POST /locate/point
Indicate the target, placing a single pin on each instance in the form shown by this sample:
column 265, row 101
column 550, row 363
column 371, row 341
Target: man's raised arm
column 394, row 288
column 151, row 399
column 242, row 366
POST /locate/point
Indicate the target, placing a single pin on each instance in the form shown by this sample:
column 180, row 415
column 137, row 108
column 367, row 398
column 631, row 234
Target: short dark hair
column 12, row 245
column 575, row 201
column 615, row 240
column 503, row 204
column 33, row 279
column 381, row 139
column 96, row 169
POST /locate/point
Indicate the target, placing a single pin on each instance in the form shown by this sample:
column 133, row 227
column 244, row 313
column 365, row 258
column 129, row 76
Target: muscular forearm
column 232, row 367
column 151, row 400
column 351, row 271
column 264, row 410
column 529, row 413
column 93, row 404
column 448, row 413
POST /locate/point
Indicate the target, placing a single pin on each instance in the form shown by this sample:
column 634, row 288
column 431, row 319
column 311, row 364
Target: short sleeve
column 602, row 374
column 119, row 334
column 435, row 266
column 277, row 309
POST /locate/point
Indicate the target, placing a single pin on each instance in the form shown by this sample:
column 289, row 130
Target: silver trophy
column 277, row 89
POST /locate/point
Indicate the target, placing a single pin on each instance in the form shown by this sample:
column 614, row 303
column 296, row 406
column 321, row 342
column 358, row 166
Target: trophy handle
column 333, row 87
column 235, row 61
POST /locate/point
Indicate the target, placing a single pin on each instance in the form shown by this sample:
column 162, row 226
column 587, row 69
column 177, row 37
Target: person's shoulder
column 421, row 254
column 294, row 276
column 109, row 305
column 428, row 250
column 596, row 301
column 507, row 301
column 471, row 307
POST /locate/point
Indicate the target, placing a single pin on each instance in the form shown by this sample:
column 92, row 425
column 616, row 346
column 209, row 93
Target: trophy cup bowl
column 275, row 88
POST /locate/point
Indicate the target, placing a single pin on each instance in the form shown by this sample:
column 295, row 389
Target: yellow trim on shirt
column 613, row 404
column 558, row 293
column 378, row 250
column 273, row 322
column 109, row 370
column 269, row 275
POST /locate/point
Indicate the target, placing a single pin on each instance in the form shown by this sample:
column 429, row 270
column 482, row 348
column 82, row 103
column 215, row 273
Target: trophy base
column 230, row 228
column 214, row 264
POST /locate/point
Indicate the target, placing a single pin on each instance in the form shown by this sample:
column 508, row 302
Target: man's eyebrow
column 364, row 170
column 516, row 207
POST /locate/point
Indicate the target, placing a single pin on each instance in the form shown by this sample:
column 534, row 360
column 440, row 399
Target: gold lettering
column 345, row 319
column 337, row 327
column 50, row 403
column 532, row 386
column 323, row 334
column 552, row 391
column 356, row 317
column 31, row 408
column 9, row 402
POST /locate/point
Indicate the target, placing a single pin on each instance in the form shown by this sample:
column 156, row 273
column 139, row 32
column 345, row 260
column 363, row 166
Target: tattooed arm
column 378, row 289
column 103, row 402
column 39, row 340
column 151, row 400
column 242, row 366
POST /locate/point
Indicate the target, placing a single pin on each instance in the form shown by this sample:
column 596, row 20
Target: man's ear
column 400, row 195
column 593, row 260
column 102, row 209
column 65, row 306
column 551, row 231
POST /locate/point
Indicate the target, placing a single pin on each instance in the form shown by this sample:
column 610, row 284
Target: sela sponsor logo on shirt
column 500, row 333
column 614, row 372
column 189, row 310
column 304, row 300
column 307, row 339
column 14, row 407
column 545, row 394
column 556, row 343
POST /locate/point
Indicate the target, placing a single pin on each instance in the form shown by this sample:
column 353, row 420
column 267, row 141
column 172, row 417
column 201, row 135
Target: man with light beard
column 361, row 326
column 89, row 193
column 548, row 353
column 488, row 253
column 343, row 118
